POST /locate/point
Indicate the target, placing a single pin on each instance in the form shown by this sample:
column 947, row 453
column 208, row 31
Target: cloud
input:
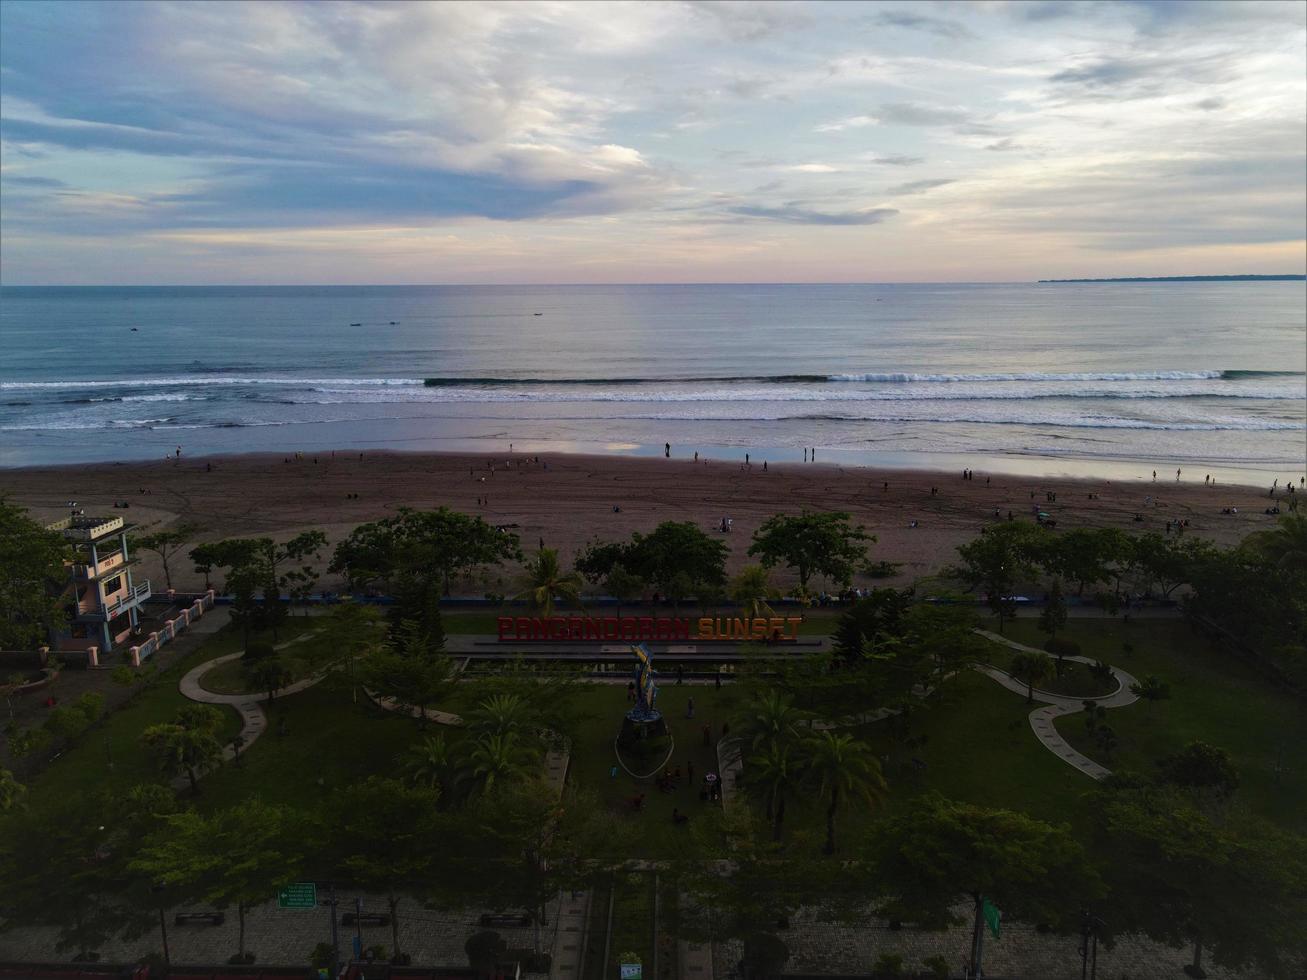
column 892, row 160
column 1210, row 104
column 938, row 26
column 920, row 186
column 805, row 216
column 25, row 181
column 852, row 122
column 920, row 114
column 814, row 168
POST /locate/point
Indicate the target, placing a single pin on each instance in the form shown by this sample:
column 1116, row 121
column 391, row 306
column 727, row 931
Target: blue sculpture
column 646, row 692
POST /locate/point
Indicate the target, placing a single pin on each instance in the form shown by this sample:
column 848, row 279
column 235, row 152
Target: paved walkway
column 1042, row 720
column 253, row 721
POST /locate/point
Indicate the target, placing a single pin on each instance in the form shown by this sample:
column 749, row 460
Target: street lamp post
column 1089, row 926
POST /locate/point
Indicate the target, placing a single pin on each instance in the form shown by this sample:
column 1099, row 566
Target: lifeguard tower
column 102, row 601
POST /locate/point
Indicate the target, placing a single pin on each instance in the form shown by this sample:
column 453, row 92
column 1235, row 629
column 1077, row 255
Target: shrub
column 91, row 705
column 936, row 966
column 1060, row 647
column 888, row 965
column 765, row 954
column 124, row 675
column 322, row 955
column 259, row 650
column 66, row 722
column 1101, row 671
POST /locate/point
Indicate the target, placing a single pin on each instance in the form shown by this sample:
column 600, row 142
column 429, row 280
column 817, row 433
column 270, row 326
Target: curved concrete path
column 1056, row 705
column 253, row 721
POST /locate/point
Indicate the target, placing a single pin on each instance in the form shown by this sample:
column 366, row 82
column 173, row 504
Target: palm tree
column 842, row 766
column 497, row 759
column 775, row 771
column 751, row 589
column 1031, row 666
column 1286, row 545
column 544, row 579
column 500, row 714
column 428, row 762
column 770, row 719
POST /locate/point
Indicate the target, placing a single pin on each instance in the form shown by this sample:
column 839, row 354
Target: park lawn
column 329, row 743
column 979, row 749
column 303, row 655
column 592, row 759
column 111, row 755
column 1214, row 699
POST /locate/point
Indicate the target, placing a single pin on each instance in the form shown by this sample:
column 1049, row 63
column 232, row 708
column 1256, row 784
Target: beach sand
column 567, row 500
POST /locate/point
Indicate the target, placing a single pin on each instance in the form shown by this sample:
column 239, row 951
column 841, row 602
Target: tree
column 812, row 543
column 1238, row 890
column 841, row 766
column 622, row 585
column 1206, row 770
column 269, row 674
column 545, row 580
column 751, row 589
column 1151, row 689
column 676, row 557
column 238, row 856
column 205, row 559
column 517, row 848
column 999, row 558
column 597, row 559
column 167, row 543
column 32, row 576
column 928, row 853
column 299, row 581
column 388, row 837
column 1086, row 556
column 776, row 770
column 1169, row 562
column 353, row 630
column 503, row 713
column 429, row 763
column 189, row 743
column 1285, row 547
column 945, row 635
column 496, row 760
column 1031, row 666
column 441, row 543
column 1053, row 616
column 415, row 681
column 869, row 623
column 57, row 872
column 770, row 719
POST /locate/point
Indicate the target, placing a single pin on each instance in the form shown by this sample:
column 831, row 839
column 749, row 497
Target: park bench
column 365, row 918
column 199, row 918
column 505, row 920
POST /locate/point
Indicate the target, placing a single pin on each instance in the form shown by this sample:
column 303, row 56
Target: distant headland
column 1188, row 279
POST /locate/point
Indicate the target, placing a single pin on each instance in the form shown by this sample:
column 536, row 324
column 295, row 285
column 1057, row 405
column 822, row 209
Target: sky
column 592, row 142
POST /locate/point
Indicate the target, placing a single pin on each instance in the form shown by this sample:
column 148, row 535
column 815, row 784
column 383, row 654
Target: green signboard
column 298, row 895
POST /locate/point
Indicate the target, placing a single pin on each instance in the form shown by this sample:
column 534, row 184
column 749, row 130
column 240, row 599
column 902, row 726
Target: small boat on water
column 356, row 324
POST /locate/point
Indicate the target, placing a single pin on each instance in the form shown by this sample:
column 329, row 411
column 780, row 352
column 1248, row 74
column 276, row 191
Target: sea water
column 1092, row 378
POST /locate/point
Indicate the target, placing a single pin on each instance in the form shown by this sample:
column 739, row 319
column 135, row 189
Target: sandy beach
column 567, row 500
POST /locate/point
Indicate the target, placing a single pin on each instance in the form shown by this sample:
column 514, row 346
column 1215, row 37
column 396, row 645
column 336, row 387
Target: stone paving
column 1020, row 953
column 286, row 937
column 1056, row 705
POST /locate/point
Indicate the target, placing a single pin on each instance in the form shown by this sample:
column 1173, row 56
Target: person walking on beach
column 667, row 450
column 1154, row 476
column 1177, row 475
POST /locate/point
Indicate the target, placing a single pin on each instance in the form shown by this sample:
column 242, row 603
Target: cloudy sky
column 364, row 142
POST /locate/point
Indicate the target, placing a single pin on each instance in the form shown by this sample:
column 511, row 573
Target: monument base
column 636, row 730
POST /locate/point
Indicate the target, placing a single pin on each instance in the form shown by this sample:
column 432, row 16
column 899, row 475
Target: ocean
column 1107, row 379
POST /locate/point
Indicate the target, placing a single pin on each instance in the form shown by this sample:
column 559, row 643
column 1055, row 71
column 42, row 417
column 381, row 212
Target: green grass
column 85, row 766
column 1214, row 699
column 302, row 655
column 593, row 758
column 330, row 743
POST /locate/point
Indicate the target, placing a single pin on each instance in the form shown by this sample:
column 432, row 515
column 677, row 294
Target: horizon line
column 1283, row 276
